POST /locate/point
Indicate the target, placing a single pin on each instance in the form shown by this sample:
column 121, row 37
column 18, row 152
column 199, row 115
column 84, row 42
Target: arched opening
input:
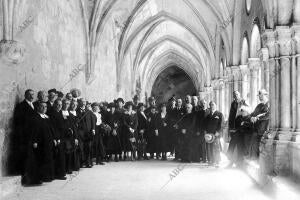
column 172, row 81
column 255, row 45
column 245, row 51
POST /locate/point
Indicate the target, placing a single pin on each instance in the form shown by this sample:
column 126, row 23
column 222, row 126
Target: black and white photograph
column 149, row 99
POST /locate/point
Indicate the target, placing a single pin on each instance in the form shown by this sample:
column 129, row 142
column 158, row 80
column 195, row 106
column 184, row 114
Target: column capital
column 244, row 69
column 263, row 54
column 269, row 41
column 228, row 71
column 284, row 37
column 236, row 72
column 296, row 30
column 254, row 64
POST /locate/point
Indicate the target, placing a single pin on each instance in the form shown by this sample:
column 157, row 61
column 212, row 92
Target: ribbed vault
column 150, row 29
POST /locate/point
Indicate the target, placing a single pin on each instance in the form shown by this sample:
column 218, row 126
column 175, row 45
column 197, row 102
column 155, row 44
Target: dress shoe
column 61, row 178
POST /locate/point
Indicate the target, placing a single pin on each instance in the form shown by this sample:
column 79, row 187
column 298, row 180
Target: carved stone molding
column 12, row 52
column 244, row 69
column 296, row 30
column 284, row 34
column 269, row 40
column 236, row 72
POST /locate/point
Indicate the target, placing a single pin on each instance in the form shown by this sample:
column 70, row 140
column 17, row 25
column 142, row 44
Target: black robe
column 130, row 121
column 60, row 128
column 23, row 116
column 40, row 163
column 187, row 123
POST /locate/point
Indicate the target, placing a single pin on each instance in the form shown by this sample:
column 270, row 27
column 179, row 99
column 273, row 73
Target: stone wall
column 52, row 33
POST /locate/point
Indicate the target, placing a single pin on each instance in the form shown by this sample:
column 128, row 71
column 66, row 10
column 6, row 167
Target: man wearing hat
column 120, row 117
column 86, row 131
column 98, row 147
column 152, row 103
column 52, row 95
column 171, row 110
column 213, row 125
column 135, row 102
column 130, row 127
column 114, row 146
column 142, row 132
column 235, row 108
column 260, row 118
column 153, row 139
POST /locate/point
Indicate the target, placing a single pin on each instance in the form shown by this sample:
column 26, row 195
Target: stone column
column 284, row 41
column 222, row 97
column 235, row 70
column 244, row 82
column 254, row 65
column 227, row 101
column 297, row 95
column 269, row 42
column 264, row 57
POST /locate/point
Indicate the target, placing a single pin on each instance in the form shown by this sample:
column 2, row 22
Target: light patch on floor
column 149, row 180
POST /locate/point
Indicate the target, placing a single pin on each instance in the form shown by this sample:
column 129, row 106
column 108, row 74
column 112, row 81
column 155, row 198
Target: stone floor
column 151, row 180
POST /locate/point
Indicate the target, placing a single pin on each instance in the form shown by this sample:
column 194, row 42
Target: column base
column 296, row 136
column 285, row 134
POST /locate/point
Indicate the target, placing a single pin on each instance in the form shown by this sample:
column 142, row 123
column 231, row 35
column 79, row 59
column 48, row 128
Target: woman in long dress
column 130, row 126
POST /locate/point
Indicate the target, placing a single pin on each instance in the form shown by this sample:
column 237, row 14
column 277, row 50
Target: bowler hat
column 52, row 90
column 120, row 100
column 209, row 138
column 112, row 104
column 129, row 103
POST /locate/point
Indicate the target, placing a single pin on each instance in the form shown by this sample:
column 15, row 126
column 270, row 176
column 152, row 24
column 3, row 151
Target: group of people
column 59, row 134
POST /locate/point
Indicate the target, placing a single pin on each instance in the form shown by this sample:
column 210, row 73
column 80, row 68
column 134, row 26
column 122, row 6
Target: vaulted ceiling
column 189, row 30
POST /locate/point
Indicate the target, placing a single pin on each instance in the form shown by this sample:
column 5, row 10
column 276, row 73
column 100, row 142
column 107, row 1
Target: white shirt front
column 73, row 112
column 99, row 120
column 65, row 113
column 30, row 103
column 44, row 116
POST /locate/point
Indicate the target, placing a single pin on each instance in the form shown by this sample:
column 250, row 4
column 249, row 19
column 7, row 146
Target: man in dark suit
column 213, row 126
column 260, row 118
column 52, row 95
column 235, row 140
column 23, row 115
column 86, row 131
column 58, row 124
column 42, row 96
column 179, row 114
column 203, row 113
column 171, row 110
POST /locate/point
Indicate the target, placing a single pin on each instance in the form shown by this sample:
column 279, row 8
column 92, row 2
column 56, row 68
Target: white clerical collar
column 65, row 112
column 44, row 116
column 29, row 103
column 73, row 112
